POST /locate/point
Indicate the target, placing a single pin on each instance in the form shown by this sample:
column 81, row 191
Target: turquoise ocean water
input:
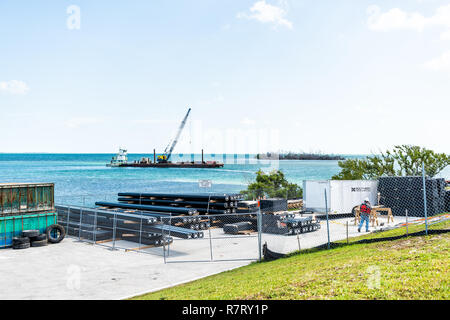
column 84, row 178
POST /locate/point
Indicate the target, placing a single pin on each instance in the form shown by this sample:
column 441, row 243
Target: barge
column 121, row 160
column 174, row 165
column 163, row 161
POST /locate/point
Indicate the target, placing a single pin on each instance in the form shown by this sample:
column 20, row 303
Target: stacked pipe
column 288, row 224
column 295, row 204
column 184, row 217
column 202, row 203
column 247, row 207
column 141, row 227
column 235, row 228
column 273, row 205
column 301, row 225
column 401, row 193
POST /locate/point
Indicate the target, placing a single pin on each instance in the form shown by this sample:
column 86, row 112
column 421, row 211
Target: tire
column 20, row 240
column 21, row 246
column 39, row 238
column 30, row 233
column 61, row 233
column 40, row 243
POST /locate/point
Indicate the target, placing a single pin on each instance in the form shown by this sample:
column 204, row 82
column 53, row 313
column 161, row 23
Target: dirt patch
column 412, row 243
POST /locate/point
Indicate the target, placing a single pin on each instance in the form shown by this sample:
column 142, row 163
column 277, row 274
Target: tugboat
column 120, row 159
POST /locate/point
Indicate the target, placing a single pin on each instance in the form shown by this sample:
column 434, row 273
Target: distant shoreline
column 343, row 156
column 300, row 156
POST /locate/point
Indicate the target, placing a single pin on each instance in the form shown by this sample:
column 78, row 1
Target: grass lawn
column 409, row 268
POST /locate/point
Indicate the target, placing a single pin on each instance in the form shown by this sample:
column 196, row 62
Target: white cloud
column 394, row 19
column 81, row 122
column 14, row 87
column 441, row 63
column 397, row 19
column 267, row 13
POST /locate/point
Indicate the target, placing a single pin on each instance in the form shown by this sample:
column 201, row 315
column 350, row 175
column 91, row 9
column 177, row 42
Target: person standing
column 365, row 210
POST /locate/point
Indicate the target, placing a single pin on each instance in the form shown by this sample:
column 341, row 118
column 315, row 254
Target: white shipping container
column 342, row 195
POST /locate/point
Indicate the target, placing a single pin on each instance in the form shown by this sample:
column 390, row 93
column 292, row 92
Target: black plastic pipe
column 188, row 211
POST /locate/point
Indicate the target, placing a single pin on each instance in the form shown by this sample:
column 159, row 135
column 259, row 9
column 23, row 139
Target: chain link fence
column 331, row 211
column 200, row 238
column 336, row 211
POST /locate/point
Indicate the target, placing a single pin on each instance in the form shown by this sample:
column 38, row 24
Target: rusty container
column 26, row 198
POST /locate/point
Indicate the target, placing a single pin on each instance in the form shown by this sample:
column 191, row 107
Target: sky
column 348, row 76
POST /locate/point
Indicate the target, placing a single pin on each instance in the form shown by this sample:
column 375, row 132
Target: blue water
column 84, row 178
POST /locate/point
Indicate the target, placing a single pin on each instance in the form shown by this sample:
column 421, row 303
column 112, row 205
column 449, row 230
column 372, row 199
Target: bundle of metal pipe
column 286, row 224
column 178, row 203
column 247, row 207
column 220, row 197
column 86, row 222
column 156, row 209
column 235, row 228
column 165, row 217
column 102, row 217
column 147, row 238
column 203, row 203
column 190, row 222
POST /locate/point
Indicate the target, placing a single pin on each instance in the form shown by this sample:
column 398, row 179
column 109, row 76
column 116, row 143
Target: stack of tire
column 406, row 193
column 33, row 238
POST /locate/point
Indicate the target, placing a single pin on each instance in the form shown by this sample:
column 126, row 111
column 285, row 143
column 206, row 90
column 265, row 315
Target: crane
column 168, row 151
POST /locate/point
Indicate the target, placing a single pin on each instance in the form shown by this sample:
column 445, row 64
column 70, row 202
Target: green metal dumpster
column 26, row 198
column 12, row 226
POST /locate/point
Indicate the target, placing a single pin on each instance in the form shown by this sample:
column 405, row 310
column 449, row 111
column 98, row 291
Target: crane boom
column 168, row 153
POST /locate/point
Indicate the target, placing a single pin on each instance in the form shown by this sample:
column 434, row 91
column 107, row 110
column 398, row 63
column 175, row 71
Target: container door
column 346, row 194
column 314, row 195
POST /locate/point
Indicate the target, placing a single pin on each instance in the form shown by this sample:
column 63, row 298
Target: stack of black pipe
column 288, row 224
column 203, row 203
column 247, row 207
column 100, row 225
column 406, row 193
column 273, row 205
column 183, row 210
column 235, row 228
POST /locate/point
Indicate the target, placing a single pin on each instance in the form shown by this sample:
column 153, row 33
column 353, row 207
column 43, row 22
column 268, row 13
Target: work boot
column 359, row 230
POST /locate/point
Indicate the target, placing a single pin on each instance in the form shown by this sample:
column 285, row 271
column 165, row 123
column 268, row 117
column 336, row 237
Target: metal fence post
column 209, row 230
column 79, row 226
column 164, row 243
column 425, row 198
column 210, row 240
column 114, row 231
column 406, row 214
column 95, row 228
column 328, row 224
column 347, row 231
column 68, row 219
column 168, row 242
column 259, row 232
column 140, row 232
